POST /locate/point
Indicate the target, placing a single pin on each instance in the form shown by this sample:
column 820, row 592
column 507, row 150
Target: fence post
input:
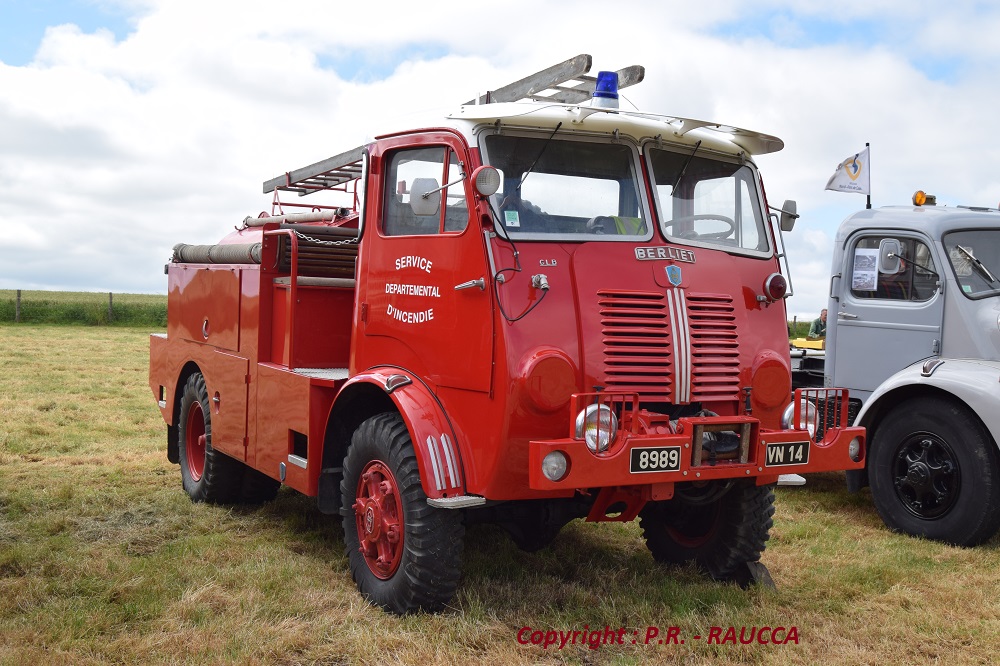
column 109, row 307
column 17, row 308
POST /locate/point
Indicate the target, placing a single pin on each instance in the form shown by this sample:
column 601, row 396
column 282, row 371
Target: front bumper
column 684, row 452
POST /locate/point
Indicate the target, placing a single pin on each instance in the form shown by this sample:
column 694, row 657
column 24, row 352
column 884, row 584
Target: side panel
column 291, row 420
column 227, row 395
column 204, row 304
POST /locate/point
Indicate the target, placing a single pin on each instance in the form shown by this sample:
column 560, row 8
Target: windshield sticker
column 963, row 267
column 865, row 269
column 511, row 218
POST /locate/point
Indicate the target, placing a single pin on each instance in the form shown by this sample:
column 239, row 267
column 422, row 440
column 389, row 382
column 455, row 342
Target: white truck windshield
column 974, row 255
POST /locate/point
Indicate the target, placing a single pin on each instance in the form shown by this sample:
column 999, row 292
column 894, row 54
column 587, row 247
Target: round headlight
column 555, row 465
column 597, row 426
column 854, row 449
column 808, row 417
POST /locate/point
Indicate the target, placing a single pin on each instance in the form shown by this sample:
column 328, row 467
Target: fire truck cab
column 540, row 307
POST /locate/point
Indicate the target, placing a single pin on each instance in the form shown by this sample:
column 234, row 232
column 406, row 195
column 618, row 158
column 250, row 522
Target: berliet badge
column 674, row 275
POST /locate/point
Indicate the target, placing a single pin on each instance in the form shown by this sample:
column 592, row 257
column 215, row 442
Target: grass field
column 86, row 308
column 103, row 559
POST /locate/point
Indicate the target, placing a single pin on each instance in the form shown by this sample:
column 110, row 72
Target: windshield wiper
column 684, row 167
column 540, row 153
column 980, row 266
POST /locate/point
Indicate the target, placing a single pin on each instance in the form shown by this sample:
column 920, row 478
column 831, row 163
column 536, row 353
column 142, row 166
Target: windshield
column 557, row 188
column 707, row 201
column 974, row 255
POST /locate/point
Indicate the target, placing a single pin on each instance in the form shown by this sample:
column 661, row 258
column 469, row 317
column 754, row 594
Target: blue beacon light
column 606, row 90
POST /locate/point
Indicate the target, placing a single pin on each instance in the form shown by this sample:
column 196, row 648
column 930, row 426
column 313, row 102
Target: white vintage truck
column 914, row 334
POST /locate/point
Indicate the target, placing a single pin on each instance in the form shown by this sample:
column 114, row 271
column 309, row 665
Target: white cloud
column 112, row 151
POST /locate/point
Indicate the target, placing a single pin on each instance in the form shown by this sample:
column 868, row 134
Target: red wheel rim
column 378, row 515
column 195, row 441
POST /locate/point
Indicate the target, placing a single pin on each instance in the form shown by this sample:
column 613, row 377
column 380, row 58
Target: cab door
column 428, row 303
column 885, row 319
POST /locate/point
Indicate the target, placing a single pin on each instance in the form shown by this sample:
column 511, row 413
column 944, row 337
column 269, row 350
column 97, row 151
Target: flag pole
column 869, row 175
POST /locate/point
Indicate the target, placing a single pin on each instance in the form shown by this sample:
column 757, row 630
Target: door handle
column 846, row 315
column 481, row 283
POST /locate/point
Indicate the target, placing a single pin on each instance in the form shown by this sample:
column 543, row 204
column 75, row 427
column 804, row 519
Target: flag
column 852, row 175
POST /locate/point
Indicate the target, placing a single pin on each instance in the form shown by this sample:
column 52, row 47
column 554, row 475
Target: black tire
column 405, row 555
column 206, row 474
column 722, row 530
column 933, row 472
column 257, row 487
column 531, row 534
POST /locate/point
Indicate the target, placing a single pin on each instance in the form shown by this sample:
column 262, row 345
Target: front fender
column 439, row 458
column 974, row 382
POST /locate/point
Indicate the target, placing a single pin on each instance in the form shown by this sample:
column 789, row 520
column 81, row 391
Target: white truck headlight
column 808, row 417
column 597, row 426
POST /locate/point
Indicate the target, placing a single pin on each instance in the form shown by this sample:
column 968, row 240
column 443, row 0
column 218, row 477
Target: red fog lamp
column 486, row 180
column 775, row 287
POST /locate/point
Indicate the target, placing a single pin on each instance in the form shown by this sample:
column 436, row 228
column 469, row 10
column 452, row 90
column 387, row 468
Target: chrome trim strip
column 435, row 464
column 449, row 457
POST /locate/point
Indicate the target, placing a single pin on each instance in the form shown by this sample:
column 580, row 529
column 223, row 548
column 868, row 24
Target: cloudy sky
column 127, row 126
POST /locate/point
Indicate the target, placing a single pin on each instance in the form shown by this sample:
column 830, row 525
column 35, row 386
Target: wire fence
column 82, row 308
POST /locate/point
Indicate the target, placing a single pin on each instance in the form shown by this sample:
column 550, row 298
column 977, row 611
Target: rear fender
column 438, row 456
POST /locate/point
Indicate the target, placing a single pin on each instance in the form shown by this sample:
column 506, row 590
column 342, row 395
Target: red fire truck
column 538, row 308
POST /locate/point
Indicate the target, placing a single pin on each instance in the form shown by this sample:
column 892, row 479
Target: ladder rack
column 556, row 78
column 568, row 81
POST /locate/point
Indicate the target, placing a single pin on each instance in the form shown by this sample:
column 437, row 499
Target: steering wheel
column 717, row 235
column 596, row 225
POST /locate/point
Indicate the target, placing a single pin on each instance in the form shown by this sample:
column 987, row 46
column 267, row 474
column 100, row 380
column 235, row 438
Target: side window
column 424, row 193
column 916, row 278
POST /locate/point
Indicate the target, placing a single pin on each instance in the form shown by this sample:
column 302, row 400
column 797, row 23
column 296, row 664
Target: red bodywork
column 294, row 359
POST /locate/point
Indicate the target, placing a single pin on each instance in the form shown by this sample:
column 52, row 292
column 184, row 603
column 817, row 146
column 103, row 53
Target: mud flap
column 754, row 573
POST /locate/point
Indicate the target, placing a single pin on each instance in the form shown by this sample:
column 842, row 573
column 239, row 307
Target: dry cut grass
column 104, row 560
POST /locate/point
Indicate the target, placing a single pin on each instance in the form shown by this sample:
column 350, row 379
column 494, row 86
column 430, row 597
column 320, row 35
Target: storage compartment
column 316, row 332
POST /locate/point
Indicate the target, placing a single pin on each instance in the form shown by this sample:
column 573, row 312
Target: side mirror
column 425, row 196
column 789, row 213
column 889, row 250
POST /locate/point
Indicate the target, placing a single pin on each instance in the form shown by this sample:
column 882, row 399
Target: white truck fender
column 974, row 382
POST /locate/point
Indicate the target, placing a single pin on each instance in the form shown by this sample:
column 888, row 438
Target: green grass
column 84, row 308
column 103, row 559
